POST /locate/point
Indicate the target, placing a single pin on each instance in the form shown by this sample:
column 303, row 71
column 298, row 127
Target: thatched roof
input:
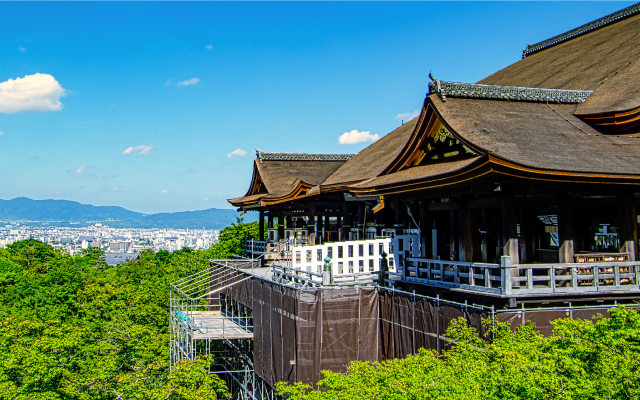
column 603, row 60
column 540, row 135
column 278, row 175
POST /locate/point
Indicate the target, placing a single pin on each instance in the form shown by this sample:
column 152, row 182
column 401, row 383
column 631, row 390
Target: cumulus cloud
column 187, row 82
column 1, row 133
column 22, row 50
column 208, row 47
column 237, row 153
column 356, row 136
column 33, row 93
column 83, row 170
column 165, row 191
column 407, row 116
column 143, row 150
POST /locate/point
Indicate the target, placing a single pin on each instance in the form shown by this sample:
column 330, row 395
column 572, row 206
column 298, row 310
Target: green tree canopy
column 582, row 360
column 231, row 240
column 74, row 328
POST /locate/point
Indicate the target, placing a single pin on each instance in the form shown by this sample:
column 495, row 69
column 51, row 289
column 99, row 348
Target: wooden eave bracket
column 379, row 206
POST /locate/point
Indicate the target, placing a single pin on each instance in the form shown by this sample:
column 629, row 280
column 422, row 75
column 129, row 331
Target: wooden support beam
column 627, row 223
column 452, row 236
column 425, row 229
column 510, row 230
column 465, row 226
column 565, row 230
column 261, row 226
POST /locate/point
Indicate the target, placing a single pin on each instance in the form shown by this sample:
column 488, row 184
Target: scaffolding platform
column 213, row 325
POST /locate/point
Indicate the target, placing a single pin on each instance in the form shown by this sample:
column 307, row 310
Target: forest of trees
column 75, row 328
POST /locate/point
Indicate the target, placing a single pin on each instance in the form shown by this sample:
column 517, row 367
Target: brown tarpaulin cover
column 300, row 332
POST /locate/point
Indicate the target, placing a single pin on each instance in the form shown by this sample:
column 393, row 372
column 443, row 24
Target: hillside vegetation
column 74, row 328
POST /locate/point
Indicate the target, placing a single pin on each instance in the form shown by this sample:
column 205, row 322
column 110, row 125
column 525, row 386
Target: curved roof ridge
column 498, row 92
column 274, row 156
column 582, row 29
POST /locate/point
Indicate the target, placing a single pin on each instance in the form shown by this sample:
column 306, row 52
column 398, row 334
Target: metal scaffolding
column 204, row 322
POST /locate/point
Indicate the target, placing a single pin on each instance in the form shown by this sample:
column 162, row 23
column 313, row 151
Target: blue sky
column 142, row 105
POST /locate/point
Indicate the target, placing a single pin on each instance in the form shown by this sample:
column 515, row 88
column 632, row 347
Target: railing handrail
column 599, row 264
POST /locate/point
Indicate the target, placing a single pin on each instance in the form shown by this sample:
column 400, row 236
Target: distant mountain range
column 72, row 213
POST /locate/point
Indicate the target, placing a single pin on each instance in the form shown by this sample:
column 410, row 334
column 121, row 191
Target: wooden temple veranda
column 513, row 196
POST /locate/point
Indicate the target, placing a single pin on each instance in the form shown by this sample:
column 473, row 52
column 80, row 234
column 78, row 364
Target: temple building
column 539, row 162
column 511, row 200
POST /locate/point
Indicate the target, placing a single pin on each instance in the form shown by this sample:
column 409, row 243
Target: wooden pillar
column 453, row 254
column 465, row 226
column 627, row 218
column 346, row 221
column 484, row 242
column 311, row 226
column 398, row 221
column 425, row 229
column 362, row 216
column 510, row 231
column 565, row 230
column 261, row 226
column 281, row 225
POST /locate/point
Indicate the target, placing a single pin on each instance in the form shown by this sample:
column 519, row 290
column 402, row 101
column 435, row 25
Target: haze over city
column 159, row 107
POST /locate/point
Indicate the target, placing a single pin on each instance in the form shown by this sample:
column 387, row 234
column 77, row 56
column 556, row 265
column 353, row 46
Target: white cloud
column 408, row 116
column 1, row 133
column 83, row 170
column 208, row 47
column 165, row 191
column 143, row 150
column 33, row 93
column 187, row 82
column 22, row 50
column 356, row 136
column 237, row 153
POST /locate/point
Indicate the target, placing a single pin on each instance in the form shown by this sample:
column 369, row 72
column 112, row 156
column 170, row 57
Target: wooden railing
column 454, row 274
column 255, row 246
column 525, row 279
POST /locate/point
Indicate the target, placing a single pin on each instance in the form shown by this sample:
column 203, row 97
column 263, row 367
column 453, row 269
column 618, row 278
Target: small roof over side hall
column 278, row 176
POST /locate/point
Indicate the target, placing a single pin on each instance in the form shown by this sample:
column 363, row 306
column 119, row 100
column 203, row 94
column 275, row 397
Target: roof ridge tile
column 582, row 29
column 272, row 156
column 497, row 92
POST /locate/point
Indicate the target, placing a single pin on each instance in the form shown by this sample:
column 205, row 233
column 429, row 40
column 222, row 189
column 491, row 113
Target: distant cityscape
column 119, row 244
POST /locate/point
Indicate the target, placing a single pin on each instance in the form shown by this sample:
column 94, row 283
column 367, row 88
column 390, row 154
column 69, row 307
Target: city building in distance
column 127, row 242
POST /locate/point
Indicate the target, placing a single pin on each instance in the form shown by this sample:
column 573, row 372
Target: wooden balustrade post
column 505, row 266
column 487, row 278
column 472, row 275
column 529, row 278
column 574, row 277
